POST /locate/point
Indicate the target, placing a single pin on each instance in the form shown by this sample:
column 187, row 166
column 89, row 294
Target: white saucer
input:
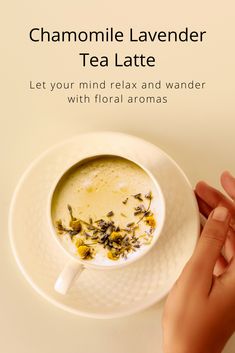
column 101, row 294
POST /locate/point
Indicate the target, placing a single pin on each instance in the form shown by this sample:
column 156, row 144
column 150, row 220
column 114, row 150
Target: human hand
column 208, row 198
column 199, row 314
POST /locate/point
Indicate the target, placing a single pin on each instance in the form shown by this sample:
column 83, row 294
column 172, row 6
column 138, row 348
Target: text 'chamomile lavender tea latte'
column 106, row 210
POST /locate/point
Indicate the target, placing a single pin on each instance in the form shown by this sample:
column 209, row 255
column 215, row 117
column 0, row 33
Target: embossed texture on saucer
column 103, row 294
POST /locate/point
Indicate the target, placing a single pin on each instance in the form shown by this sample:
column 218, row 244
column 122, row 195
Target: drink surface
column 107, row 188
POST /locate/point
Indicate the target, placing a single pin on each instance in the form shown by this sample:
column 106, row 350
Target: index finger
column 213, row 197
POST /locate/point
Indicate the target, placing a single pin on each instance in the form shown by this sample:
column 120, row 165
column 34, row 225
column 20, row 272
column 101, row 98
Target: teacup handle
column 72, row 270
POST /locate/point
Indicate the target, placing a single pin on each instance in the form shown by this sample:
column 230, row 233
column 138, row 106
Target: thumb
column 212, row 239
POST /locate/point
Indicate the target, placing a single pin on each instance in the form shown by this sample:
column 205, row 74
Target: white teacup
column 75, row 265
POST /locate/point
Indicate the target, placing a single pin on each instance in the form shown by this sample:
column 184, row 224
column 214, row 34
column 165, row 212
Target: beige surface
column 197, row 129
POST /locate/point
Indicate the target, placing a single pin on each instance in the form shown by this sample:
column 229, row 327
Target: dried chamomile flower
column 84, row 251
column 78, row 242
column 113, row 255
column 149, row 195
column 75, row 224
column 148, row 240
column 59, row 226
column 115, row 237
column 150, row 220
column 142, row 236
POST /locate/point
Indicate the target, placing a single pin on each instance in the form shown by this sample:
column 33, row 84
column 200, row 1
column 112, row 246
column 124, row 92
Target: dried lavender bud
column 69, row 208
column 125, row 201
column 110, row 214
column 104, row 237
column 130, row 224
column 102, row 224
column 87, row 235
column 109, row 230
column 138, row 196
column 148, row 213
column 141, row 208
column 71, row 213
column 73, row 232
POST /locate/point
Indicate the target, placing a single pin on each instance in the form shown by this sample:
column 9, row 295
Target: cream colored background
column 195, row 129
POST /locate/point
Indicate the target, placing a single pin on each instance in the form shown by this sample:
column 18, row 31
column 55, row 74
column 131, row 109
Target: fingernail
column 228, row 173
column 220, row 214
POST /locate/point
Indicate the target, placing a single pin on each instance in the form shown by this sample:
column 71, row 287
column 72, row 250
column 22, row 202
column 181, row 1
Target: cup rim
column 85, row 263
